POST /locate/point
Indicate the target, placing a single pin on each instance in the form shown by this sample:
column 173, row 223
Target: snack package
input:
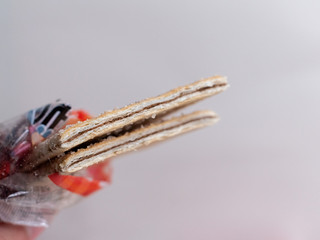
column 52, row 156
column 32, row 200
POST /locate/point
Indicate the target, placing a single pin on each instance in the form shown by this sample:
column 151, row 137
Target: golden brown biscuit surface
column 122, row 123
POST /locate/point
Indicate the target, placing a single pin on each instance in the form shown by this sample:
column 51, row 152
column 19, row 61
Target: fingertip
column 13, row 232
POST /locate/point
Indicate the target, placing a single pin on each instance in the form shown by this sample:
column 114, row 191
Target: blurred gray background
column 254, row 175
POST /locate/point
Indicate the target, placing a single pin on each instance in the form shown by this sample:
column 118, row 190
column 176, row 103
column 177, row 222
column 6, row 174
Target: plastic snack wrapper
column 27, row 198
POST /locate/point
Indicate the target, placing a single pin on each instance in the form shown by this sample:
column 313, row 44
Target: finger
column 13, row 232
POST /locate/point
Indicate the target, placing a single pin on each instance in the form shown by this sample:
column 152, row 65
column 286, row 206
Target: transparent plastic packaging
column 29, row 199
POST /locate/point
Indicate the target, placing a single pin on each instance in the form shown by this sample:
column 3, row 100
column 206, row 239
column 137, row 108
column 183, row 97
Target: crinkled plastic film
column 25, row 197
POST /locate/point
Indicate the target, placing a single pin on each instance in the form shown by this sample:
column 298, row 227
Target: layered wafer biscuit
column 84, row 144
column 141, row 137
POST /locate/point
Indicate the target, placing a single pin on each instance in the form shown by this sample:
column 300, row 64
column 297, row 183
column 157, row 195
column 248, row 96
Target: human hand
column 15, row 232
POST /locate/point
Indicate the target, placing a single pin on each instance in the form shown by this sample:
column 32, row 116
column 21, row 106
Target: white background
column 254, row 175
